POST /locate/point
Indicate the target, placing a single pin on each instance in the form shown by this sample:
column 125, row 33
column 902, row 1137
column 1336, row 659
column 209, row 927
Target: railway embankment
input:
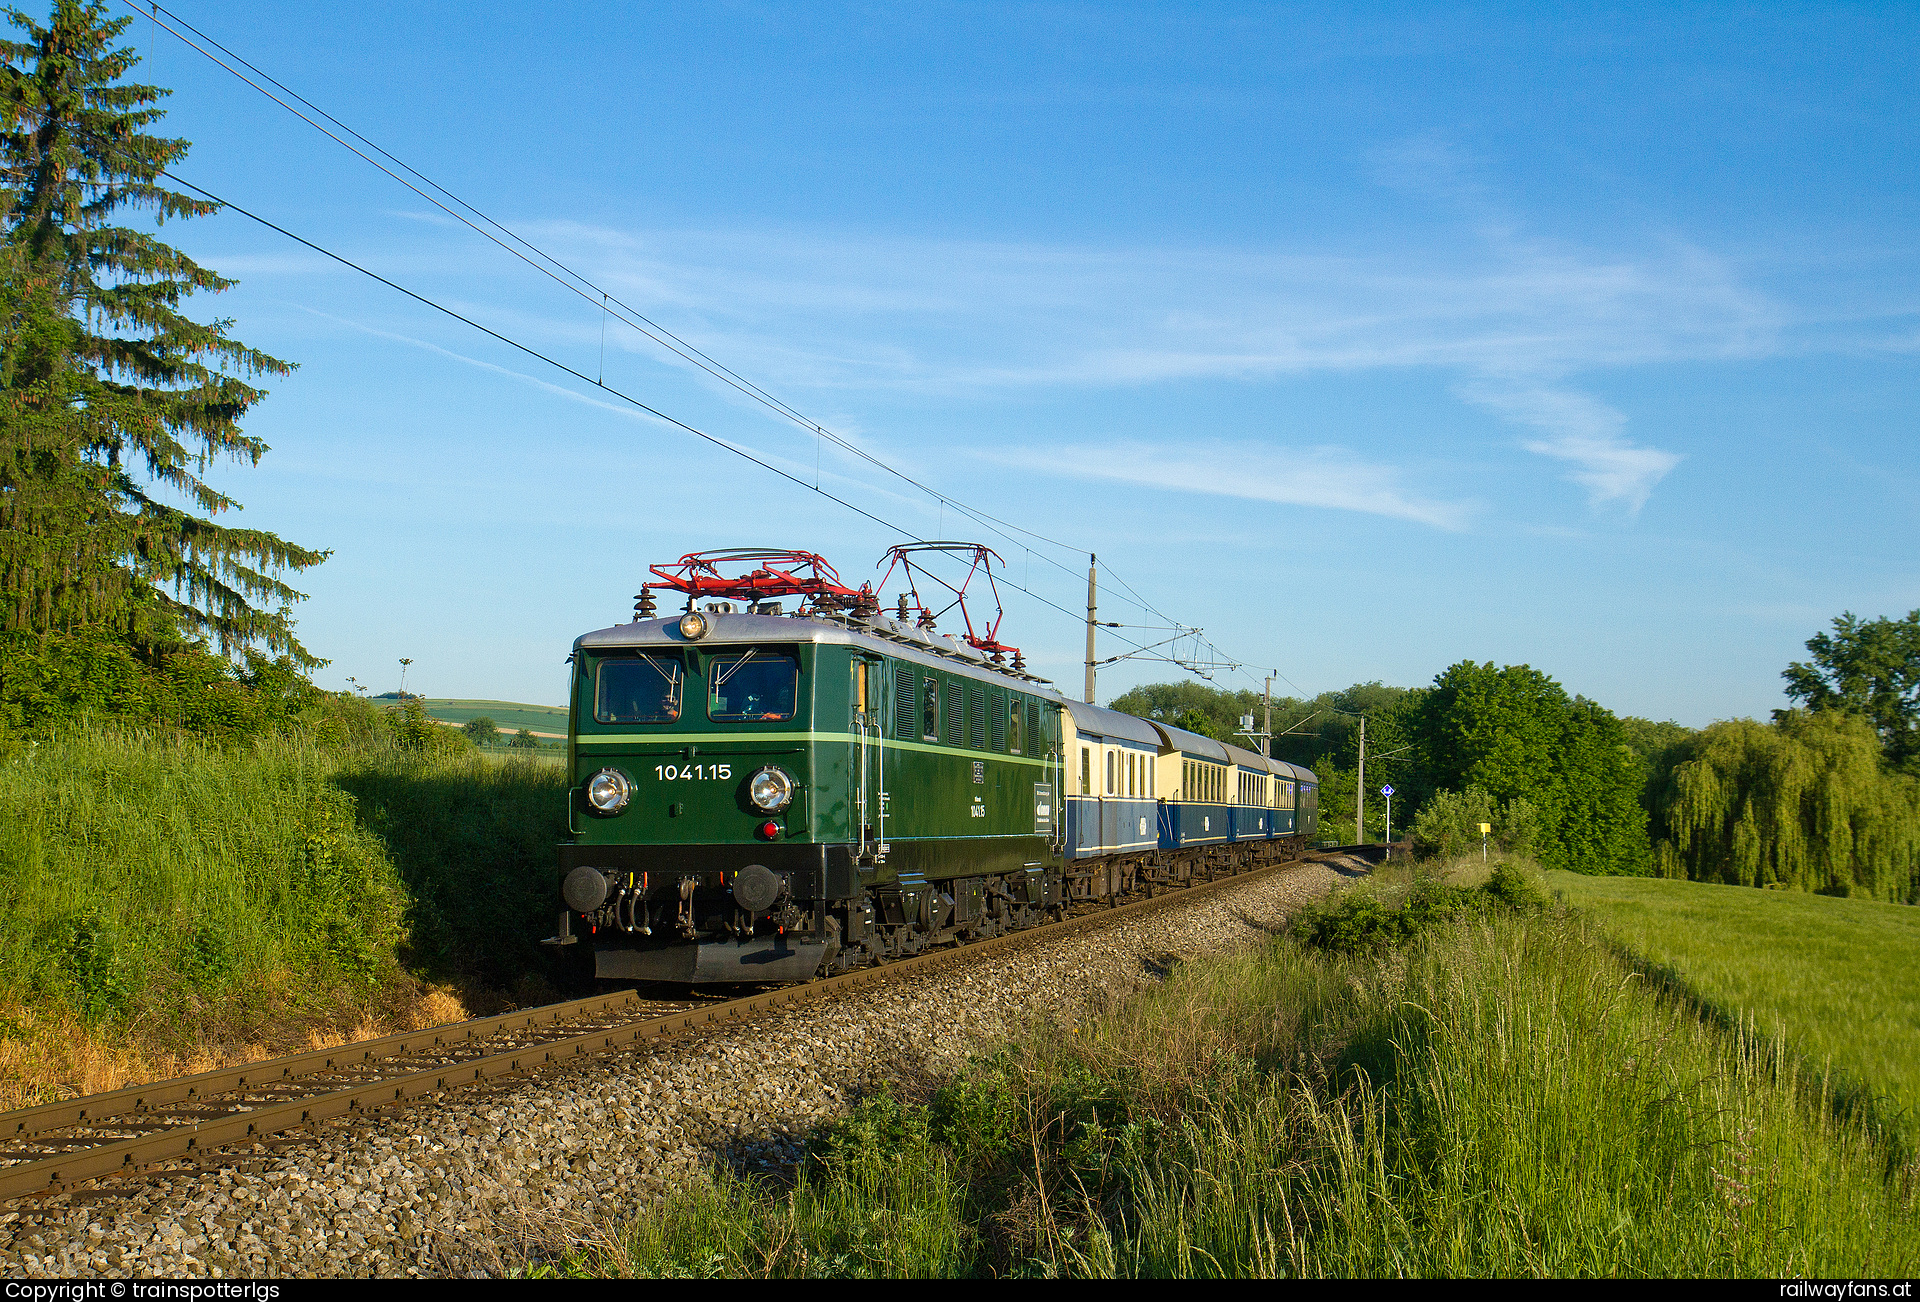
column 539, row 1168
column 1439, row 1078
column 177, row 903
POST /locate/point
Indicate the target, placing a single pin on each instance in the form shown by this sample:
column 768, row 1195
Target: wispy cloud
column 1520, row 324
column 1580, row 430
column 1517, row 322
column 1323, row 477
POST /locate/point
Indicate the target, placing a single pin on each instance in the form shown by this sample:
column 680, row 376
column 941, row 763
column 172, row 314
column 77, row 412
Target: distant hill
column 541, row 720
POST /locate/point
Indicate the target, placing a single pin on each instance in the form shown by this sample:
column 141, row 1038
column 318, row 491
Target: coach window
column 1110, row 758
column 1086, row 771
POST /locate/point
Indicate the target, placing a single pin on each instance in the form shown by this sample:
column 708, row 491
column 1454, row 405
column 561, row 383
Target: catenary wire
column 647, row 328
column 585, row 288
column 726, row 444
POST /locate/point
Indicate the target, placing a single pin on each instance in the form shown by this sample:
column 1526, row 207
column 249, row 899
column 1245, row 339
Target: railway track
column 51, row 1148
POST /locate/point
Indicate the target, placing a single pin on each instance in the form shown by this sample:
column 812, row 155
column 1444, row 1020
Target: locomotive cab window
column 643, row 689
column 756, row 685
column 930, row 711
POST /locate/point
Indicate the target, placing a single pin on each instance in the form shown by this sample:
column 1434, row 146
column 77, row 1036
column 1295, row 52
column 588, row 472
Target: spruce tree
column 113, row 402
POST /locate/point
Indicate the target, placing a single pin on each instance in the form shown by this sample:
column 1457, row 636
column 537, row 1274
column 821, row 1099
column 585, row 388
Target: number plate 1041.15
column 693, row 772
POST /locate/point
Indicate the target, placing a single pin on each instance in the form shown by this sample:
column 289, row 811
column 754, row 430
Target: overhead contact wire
column 586, row 288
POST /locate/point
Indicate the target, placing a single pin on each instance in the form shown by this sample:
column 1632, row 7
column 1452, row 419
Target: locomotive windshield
column 645, row 689
column 757, row 685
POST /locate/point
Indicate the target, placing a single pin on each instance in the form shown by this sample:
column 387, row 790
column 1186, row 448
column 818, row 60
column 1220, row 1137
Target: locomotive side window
column 644, row 689
column 1016, row 741
column 930, row 711
column 752, row 686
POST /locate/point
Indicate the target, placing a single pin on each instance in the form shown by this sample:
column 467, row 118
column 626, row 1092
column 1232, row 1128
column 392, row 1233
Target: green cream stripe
column 677, row 740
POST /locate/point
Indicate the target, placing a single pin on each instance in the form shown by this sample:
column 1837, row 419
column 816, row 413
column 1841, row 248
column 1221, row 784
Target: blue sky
column 1368, row 340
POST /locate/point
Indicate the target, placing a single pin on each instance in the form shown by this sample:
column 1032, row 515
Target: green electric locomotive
column 764, row 796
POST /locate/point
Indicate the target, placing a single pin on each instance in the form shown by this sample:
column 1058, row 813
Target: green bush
column 1448, row 825
column 1358, row 921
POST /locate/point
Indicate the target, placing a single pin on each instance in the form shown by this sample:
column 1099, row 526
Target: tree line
column 1825, row 796
column 1556, row 772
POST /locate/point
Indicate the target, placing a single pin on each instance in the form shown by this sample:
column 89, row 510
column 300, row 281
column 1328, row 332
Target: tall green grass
column 156, row 876
column 1838, row 978
column 1495, row 1096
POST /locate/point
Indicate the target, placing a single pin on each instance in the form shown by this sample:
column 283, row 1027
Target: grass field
column 1839, row 978
column 1495, row 1097
column 542, row 720
column 167, row 902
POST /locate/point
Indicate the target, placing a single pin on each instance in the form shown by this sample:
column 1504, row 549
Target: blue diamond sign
column 1386, row 790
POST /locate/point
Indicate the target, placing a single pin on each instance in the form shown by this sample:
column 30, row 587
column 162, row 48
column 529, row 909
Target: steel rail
column 125, row 1156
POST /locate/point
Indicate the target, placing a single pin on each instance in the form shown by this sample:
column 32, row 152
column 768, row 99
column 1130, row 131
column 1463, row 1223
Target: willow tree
column 116, row 403
column 1804, row 803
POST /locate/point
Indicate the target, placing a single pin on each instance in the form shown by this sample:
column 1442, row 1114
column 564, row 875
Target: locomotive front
column 700, row 806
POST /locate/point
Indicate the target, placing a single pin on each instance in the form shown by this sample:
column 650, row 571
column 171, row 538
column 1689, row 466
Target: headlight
column 771, row 789
column 693, row 626
column 608, row 791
